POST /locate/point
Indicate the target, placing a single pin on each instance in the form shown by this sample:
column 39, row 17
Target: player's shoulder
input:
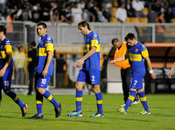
column 94, row 35
column 48, row 39
column 141, row 46
column 7, row 41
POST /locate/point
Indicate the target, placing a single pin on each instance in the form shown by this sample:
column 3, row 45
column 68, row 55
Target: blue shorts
column 42, row 82
column 5, row 81
column 89, row 76
column 136, row 82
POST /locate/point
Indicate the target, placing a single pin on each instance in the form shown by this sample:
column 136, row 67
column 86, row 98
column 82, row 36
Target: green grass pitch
column 162, row 107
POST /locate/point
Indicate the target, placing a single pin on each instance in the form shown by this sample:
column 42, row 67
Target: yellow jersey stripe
column 135, row 57
column 41, row 52
column 49, row 47
column 94, row 43
column 99, row 101
column 50, row 97
column 79, row 99
column 87, row 48
column 16, row 98
column 39, row 102
column 3, row 55
column 143, row 98
column 131, row 98
column 145, row 53
column 8, row 48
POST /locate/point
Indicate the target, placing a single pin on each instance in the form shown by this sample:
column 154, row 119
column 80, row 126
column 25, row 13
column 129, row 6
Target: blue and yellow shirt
column 93, row 62
column 44, row 44
column 5, row 46
column 137, row 53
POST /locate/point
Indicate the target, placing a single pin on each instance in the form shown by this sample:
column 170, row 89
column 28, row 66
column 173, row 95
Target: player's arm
column 145, row 55
column 122, row 58
column 171, row 71
column 89, row 54
column 49, row 50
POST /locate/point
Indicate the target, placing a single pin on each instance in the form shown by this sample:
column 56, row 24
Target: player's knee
column 78, row 86
column 6, row 91
column 96, row 88
column 140, row 90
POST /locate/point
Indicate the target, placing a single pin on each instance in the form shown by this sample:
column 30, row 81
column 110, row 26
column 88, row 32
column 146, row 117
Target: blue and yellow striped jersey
column 44, row 44
column 6, row 46
column 137, row 54
column 93, row 62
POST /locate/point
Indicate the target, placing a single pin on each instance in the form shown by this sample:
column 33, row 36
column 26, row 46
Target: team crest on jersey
column 1, row 46
column 88, row 40
column 136, row 50
column 41, row 43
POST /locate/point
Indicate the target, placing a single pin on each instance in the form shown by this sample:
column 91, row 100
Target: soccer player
column 6, row 69
column 44, row 71
column 90, row 70
column 137, row 54
column 121, row 48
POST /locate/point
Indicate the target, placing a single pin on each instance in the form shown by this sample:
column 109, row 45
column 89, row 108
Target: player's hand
column 44, row 73
column 112, row 62
column 2, row 72
column 79, row 63
column 153, row 76
column 169, row 74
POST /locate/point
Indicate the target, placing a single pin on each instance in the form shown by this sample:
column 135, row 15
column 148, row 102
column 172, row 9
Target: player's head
column 116, row 43
column 2, row 29
column 41, row 29
column 130, row 39
column 84, row 27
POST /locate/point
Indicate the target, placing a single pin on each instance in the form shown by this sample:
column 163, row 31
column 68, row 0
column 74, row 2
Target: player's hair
column 129, row 35
column 2, row 28
column 84, row 23
column 43, row 24
column 114, row 40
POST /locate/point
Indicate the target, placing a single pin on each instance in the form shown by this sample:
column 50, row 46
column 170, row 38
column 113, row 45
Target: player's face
column 131, row 42
column 41, row 31
column 82, row 30
column 116, row 44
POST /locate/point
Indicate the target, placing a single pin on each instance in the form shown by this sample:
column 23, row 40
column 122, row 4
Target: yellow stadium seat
column 145, row 11
column 128, row 20
column 134, row 20
column 114, row 10
column 143, row 20
column 113, row 20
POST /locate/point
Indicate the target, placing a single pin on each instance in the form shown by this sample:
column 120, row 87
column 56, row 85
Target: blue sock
column 99, row 98
column 39, row 104
column 79, row 98
column 130, row 99
column 144, row 100
column 49, row 96
column 15, row 98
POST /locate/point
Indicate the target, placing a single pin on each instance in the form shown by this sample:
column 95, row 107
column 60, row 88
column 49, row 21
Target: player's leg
column 125, row 75
column 94, row 76
column 39, row 102
column 42, row 89
column 79, row 94
column 143, row 101
column 5, row 81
